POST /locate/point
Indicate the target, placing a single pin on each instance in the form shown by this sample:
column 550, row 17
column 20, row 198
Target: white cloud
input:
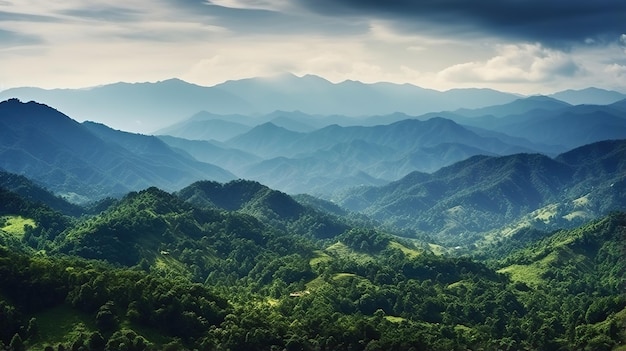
column 270, row 5
column 515, row 63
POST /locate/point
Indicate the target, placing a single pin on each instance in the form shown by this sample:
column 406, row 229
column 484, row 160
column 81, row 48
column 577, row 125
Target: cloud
column 515, row 63
column 551, row 22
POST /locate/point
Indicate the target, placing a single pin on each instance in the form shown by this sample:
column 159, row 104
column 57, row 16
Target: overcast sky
column 523, row 46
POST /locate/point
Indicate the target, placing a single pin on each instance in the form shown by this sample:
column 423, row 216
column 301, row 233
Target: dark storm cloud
column 250, row 21
column 552, row 22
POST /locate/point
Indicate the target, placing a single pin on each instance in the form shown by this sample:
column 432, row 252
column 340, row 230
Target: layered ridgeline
column 335, row 158
column 90, row 161
column 146, row 107
column 297, row 152
column 487, row 198
column 224, row 266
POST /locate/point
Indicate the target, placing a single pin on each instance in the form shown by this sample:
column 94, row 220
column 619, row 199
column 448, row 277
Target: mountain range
column 74, row 160
column 148, row 107
column 477, row 198
column 91, row 160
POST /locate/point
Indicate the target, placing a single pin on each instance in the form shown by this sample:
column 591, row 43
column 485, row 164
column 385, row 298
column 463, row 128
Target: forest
column 239, row 266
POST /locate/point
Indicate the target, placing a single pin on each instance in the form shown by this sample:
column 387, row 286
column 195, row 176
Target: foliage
column 155, row 272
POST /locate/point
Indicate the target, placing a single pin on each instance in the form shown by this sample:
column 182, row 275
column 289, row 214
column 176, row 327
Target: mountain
column 516, row 107
column 353, row 98
column 460, row 203
column 233, row 160
column 569, row 128
column 140, row 107
column 335, row 158
column 589, row 96
column 542, row 123
column 267, row 205
column 266, row 140
column 209, row 126
column 70, row 159
column 146, row 107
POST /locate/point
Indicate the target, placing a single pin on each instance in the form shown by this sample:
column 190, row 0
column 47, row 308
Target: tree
column 96, row 342
column 16, row 343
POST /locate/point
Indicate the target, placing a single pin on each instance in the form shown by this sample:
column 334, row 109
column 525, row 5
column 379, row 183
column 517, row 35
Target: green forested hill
column 153, row 272
column 270, row 206
column 474, row 199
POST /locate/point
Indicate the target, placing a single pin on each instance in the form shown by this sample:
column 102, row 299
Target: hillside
column 459, row 204
column 191, row 276
column 272, row 207
column 83, row 162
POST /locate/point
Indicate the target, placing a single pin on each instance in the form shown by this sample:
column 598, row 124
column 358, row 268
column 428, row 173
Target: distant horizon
column 156, row 81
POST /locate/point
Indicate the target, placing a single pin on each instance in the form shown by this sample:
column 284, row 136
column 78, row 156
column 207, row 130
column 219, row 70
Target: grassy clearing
column 546, row 213
column 581, row 201
column 14, row 225
column 340, row 276
column 320, row 257
column 578, row 215
column 395, row 319
column 408, row 252
column 531, row 275
column 339, row 249
column 315, row 284
column 166, row 263
column 437, row 249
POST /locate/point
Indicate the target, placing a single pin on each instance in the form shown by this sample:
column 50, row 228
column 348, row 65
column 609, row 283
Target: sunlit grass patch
column 437, row 249
column 395, row 319
column 578, row 215
column 14, row 225
column 531, row 275
column 340, row 276
column 405, row 250
column 320, row 257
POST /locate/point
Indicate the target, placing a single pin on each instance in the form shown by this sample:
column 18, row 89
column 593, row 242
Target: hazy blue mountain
column 139, row 107
column 334, row 158
column 404, row 136
column 291, row 123
column 309, row 175
column 590, row 96
column 231, row 159
column 542, row 123
column 570, row 128
column 352, row 98
column 266, row 140
column 210, row 129
column 70, row 159
column 516, row 107
column 146, row 107
column 463, row 202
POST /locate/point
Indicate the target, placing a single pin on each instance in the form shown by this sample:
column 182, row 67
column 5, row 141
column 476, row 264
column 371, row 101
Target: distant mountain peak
column 589, row 96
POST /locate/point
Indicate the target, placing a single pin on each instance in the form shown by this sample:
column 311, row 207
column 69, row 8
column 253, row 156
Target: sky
column 522, row 46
